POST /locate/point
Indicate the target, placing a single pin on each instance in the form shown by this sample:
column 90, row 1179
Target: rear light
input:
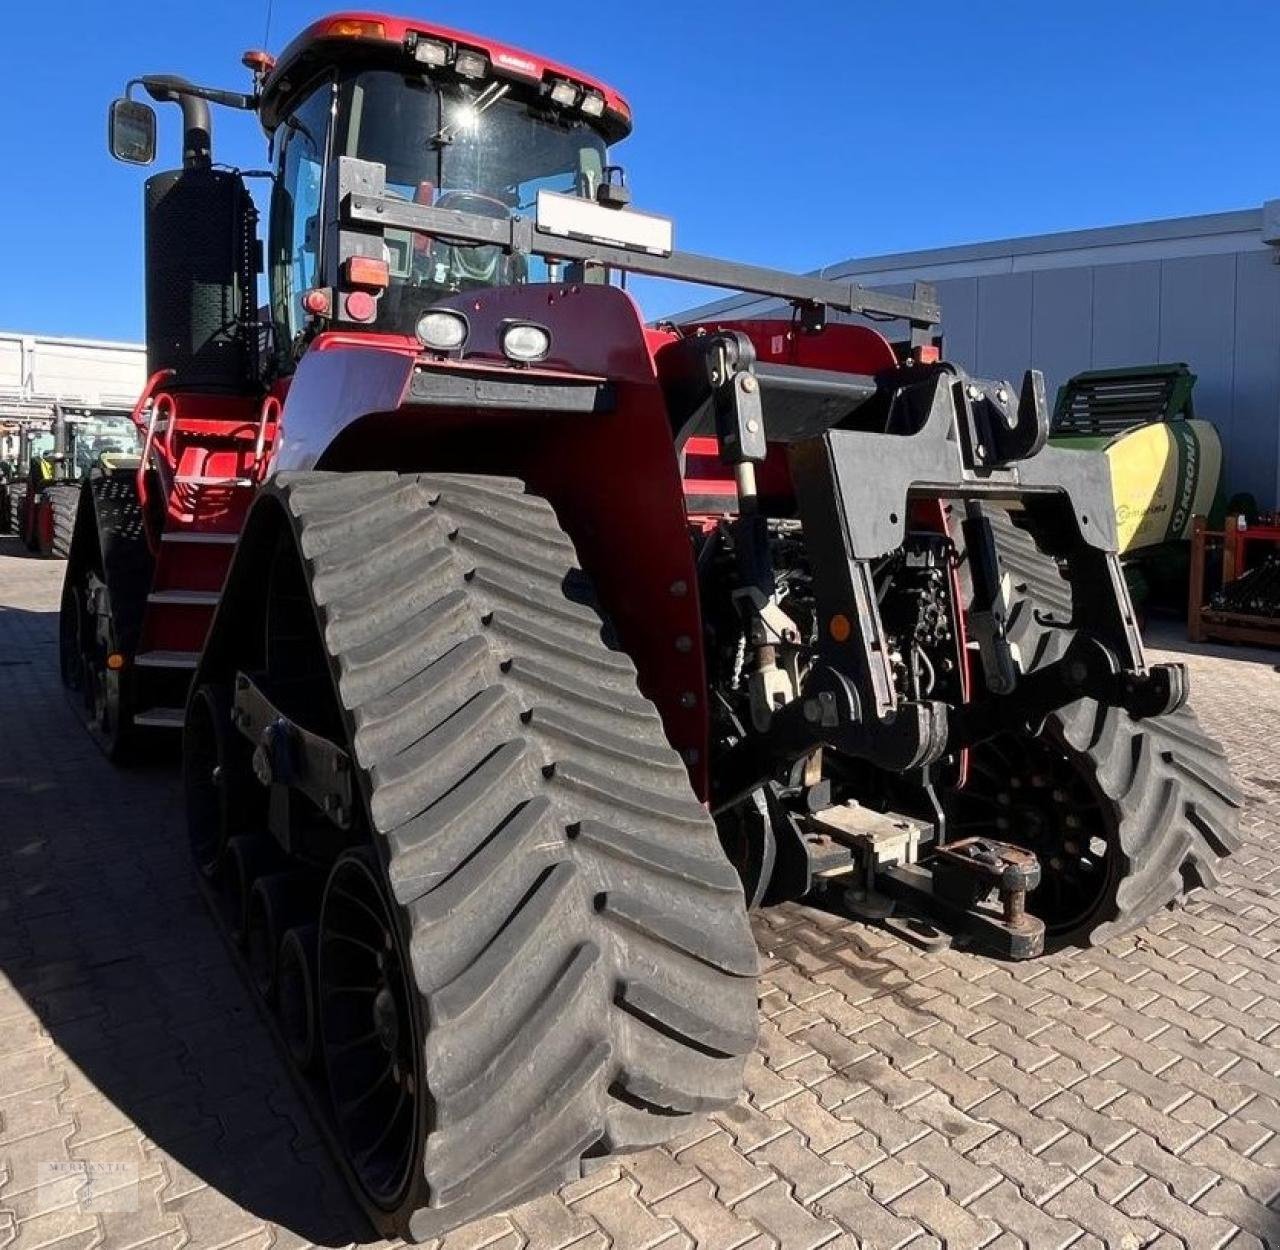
column 593, row 104
column 317, row 302
column 471, row 64
column 360, row 306
column 927, row 354
column 563, row 93
column 367, row 271
column 441, row 330
column 356, row 28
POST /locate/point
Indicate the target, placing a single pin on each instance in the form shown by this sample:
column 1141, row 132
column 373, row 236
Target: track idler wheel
column 296, row 996
column 247, row 857
column 368, row 1027
column 71, row 634
column 277, row 903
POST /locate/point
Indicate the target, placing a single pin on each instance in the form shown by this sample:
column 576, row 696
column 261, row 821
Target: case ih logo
column 517, row 63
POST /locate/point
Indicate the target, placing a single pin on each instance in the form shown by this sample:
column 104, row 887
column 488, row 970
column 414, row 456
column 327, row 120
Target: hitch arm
column 1088, row 670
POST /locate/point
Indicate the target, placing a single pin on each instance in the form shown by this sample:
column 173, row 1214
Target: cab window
column 297, row 213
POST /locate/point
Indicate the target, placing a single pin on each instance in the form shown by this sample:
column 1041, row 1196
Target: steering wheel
column 479, row 264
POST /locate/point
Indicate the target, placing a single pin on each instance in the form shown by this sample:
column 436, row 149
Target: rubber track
column 1175, row 803
column 579, row 941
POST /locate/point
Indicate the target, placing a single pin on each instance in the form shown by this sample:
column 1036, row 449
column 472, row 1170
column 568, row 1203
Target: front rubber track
column 580, row 947
column 1165, row 784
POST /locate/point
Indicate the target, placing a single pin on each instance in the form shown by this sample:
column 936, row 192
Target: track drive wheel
column 534, row 954
column 74, row 625
column 1126, row 816
column 106, row 682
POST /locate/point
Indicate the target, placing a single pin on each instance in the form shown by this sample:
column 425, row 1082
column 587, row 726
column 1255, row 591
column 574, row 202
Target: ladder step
column 193, row 536
column 188, row 598
column 201, row 479
column 166, row 659
column 160, row 718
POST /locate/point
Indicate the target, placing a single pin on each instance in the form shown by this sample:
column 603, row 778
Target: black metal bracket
column 364, row 204
column 1087, row 669
column 289, row 758
column 829, row 713
column 957, row 887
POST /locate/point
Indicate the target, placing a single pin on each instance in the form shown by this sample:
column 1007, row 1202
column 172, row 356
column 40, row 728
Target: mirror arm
column 197, row 124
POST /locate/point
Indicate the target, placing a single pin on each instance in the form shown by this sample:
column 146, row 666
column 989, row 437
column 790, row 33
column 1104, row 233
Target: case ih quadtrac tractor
column 519, row 648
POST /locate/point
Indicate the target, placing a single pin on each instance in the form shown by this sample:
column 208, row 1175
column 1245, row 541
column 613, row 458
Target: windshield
column 477, row 150
column 103, row 436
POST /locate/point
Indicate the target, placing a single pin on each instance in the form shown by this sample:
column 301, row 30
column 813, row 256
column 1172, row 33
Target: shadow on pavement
column 104, row 937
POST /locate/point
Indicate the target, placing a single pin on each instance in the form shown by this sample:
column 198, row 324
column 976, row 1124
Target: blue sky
column 780, row 134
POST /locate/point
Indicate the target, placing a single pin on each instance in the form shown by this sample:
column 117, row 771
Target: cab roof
column 363, row 36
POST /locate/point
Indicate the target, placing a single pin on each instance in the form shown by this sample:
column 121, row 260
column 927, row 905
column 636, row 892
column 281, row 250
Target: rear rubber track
column 1167, row 784
column 579, row 943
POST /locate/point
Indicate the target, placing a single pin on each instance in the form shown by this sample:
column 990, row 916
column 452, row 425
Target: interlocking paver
column 1006, row 1208
column 776, row 1209
column 1122, row 1096
column 957, row 1227
column 711, row 1224
column 732, row 1173
column 876, row 1225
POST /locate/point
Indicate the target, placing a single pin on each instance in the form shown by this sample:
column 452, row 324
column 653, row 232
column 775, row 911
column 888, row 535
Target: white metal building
column 38, row 373
column 1205, row 290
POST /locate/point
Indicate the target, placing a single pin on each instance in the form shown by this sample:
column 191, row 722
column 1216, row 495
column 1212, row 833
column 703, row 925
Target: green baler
column 1166, row 464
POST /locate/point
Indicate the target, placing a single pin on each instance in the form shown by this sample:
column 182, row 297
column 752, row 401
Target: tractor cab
column 457, row 123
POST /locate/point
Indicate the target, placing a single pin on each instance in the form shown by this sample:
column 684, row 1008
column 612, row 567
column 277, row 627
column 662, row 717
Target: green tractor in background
column 1166, row 467
column 35, row 442
column 44, row 512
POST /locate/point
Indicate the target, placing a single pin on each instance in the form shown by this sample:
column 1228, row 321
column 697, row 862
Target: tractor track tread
column 1168, row 782
column 617, row 750
column 557, row 882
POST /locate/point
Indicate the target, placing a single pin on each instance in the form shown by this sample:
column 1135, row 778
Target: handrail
column 270, row 408
column 153, row 543
column 160, row 375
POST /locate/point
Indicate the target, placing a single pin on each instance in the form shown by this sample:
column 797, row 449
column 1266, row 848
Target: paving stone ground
column 1120, row 1097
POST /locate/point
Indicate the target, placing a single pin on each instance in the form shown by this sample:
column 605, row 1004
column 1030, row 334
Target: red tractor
column 520, row 648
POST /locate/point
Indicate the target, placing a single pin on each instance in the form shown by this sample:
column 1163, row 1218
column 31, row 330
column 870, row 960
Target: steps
column 160, row 718
column 167, row 659
column 211, row 494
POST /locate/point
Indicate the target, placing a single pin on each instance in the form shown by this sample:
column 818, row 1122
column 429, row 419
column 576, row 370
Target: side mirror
column 131, row 131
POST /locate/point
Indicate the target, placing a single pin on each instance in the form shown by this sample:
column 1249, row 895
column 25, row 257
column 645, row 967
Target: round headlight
column 442, row 331
column 525, row 342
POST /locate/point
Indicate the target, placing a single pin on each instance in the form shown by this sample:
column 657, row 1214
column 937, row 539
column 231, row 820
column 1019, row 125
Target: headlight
column 524, row 342
column 431, row 52
column 442, row 331
column 563, row 93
